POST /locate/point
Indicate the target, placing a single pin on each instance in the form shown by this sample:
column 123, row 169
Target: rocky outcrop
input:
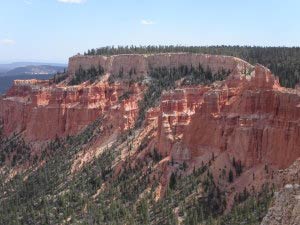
column 250, row 117
column 42, row 112
column 143, row 63
column 285, row 209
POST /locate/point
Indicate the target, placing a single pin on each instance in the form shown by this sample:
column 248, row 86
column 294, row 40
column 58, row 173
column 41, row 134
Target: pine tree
column 230, row 176
column 172, row 183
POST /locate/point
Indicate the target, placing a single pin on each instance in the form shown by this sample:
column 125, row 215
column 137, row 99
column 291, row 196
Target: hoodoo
column 31, row 106
column 248, row 115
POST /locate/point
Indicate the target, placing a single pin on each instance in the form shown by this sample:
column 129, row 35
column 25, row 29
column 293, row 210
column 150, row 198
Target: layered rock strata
column 250, row 117
column 42, row 112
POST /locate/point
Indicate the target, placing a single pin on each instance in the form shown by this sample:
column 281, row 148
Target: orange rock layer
column 250, row 117
column 44, row 112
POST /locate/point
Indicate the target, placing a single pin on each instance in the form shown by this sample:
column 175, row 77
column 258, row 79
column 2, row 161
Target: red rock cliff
column 41, row 111
column 250, row 117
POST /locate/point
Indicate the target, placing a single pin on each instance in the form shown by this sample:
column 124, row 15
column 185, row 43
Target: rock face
column 250, row 117
column 286, row 206
column 142, row 63
column 286, row 209
column 42, row 112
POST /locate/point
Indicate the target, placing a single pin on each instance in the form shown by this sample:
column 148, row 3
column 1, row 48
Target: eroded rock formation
column 143, row 63
column 42, row 112
column 248, row 116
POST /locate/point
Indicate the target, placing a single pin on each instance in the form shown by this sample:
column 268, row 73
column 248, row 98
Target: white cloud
column 28, row 2
column 72, row 1
column 7, row 42
column 147, row 22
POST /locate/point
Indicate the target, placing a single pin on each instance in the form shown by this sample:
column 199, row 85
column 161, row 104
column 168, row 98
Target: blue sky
column 53, row 30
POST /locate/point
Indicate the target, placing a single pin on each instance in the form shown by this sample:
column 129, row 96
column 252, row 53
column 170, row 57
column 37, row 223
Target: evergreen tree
column 230, row 176
column 172, row 182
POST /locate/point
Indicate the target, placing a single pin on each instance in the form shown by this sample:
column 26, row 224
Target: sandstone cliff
column 253, row 119
column 247, row 117
column 142, row 63
column 42, row 112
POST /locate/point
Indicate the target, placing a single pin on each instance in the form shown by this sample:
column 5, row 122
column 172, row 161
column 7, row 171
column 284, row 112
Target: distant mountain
column 41, row 72
column 34, row 70
column 10, row 66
